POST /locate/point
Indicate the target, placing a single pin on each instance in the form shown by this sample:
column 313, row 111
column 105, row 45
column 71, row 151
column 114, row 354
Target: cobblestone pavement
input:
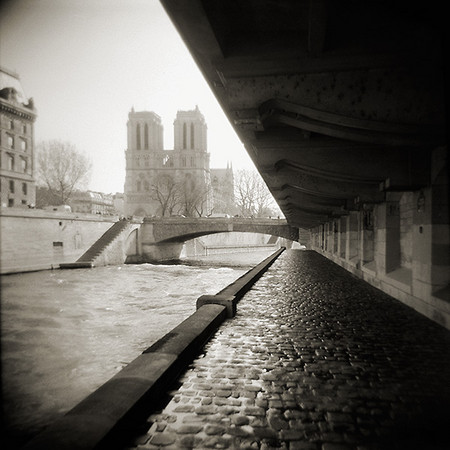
column 315, row 359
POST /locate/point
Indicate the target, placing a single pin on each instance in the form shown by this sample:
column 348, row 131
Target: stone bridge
column 160, row 239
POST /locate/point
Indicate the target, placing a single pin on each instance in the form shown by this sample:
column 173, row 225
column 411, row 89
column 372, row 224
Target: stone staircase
column 87, row 260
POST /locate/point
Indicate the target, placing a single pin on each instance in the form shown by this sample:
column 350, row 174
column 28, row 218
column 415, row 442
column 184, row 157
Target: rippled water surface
column 64, row 333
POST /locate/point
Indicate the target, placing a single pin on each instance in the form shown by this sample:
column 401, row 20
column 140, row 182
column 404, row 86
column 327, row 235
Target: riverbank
column 75, row 329
column 145, row 379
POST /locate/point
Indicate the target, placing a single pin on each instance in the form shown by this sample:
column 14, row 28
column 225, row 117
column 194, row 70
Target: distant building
column 222, row 182
column 17, row 116
column 163, row 182
column 91, row 202
column 118, row 203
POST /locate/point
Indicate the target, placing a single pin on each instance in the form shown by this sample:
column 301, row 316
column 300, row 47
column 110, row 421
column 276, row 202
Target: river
column 66, row 332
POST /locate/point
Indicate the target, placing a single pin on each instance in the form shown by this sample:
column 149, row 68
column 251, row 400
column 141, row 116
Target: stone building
column 222, row 182
column 161, row 182
column 17, row 116
column 91, row 202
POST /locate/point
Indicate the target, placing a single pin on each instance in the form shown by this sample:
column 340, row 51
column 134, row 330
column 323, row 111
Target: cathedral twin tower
column 162, row 182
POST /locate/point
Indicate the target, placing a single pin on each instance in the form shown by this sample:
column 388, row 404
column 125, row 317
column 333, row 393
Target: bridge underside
column 341, row 106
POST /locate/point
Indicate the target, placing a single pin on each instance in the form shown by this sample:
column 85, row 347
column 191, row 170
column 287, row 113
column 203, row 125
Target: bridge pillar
column 367, row 235
column 343, row 237
column 353, row 236
column 162, row 251
column 152, row 249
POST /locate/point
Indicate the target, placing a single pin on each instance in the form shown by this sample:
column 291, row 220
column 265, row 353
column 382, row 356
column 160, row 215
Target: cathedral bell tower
column 145, row 144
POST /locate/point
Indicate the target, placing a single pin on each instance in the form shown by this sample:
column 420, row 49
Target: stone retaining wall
column 38, row 239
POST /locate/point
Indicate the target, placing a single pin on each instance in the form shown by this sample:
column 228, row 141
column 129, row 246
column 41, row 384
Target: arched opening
column 232, row 246
column 184, row 136
column 138, row 136
column 146, row 137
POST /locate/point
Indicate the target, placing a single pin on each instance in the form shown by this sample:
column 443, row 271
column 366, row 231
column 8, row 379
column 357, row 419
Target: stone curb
column 145, row 380
column 229, row 296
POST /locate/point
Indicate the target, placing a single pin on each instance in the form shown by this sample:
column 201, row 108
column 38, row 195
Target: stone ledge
column 229, row 301
column 229, row 296
column 245, row 282
column 77, row 265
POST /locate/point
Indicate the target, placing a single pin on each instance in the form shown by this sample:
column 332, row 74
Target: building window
column 24, row 188
column 11, row 186
column 184, row 135
column 146, row 137
column 138, row 136
column 11, row 124
column 10, row 202
column 24, row 202
column 183, row 161
column 24, row 165
column 146, row 185
column 10, row 162
column 24, row 128
column 23, row 145
column 192, row 135
column 10, row 141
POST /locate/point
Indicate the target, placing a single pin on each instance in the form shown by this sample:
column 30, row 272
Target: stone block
column 229, row 301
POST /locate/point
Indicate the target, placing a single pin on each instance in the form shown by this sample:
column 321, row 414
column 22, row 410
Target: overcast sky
column 86, row 63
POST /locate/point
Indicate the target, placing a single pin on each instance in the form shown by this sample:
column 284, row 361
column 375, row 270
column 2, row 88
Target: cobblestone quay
column 314, row 359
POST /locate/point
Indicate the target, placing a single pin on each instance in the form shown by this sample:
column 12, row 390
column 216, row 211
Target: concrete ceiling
column 336, row 102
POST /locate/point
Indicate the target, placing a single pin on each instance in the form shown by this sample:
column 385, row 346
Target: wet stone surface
column 315, row 359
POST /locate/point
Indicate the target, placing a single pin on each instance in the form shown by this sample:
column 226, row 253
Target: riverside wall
column 35, row 239
column 38, row 240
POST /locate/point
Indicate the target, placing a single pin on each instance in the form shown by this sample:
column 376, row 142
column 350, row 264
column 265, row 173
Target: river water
column 66, row 332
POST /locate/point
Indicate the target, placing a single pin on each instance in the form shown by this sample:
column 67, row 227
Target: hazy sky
column 87, row 62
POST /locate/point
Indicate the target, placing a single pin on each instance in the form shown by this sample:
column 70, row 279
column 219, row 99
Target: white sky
column 87, row 62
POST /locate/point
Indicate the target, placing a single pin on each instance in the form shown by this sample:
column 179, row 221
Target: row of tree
column 183, row 196
column 62, row 169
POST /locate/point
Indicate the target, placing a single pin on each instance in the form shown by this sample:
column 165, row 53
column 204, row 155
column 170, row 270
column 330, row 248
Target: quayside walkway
column 314, row 359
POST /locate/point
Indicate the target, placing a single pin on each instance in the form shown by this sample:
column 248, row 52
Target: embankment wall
column 39, row 240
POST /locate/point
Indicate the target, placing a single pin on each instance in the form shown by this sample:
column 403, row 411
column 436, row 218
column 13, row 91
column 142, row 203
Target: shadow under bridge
column 162, row 239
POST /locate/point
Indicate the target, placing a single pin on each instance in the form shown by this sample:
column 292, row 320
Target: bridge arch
column 163, row 238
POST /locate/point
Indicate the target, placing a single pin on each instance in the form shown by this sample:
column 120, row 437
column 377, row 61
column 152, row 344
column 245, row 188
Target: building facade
column 222, row 182
column 91, row 202
column 17, row 116
column 161, row 182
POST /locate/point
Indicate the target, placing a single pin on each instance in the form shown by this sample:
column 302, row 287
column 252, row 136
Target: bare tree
column 253, row 198
column 61, row 168
column 194, row 197
column 166, row 192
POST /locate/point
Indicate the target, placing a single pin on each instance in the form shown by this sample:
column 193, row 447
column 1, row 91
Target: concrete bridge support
column 150, row 248
column 400, row 246
column 353, row 244
column 163, row 251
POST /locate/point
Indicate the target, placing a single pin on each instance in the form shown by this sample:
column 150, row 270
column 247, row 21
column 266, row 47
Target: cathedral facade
column 161, row 182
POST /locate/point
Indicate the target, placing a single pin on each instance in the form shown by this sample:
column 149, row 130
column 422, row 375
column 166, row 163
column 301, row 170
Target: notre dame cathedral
column 162, row 182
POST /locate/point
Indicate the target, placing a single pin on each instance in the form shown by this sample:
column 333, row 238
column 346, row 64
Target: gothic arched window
column 192, row 135
column 146, row 137
column 184, row 136
column 138, row 136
